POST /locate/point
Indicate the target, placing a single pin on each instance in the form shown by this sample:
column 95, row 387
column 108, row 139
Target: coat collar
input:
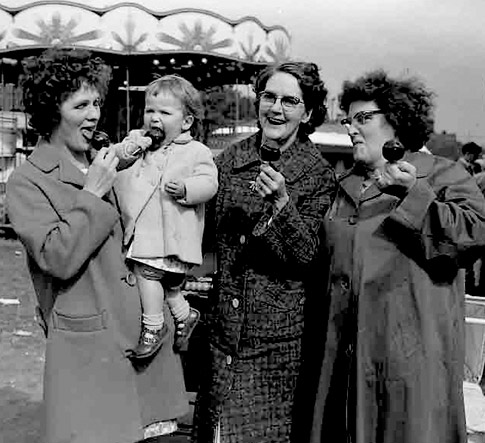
column 352, row 180
column 293, row 162
column 47, row 158
column 183, row 138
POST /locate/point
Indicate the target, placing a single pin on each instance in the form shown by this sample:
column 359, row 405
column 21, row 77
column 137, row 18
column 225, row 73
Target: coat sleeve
column 442, row 217
column 202, row 184
column 293, row 232
column 60, row 240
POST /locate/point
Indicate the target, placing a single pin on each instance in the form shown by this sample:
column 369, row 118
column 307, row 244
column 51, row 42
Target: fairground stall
column 220, row 56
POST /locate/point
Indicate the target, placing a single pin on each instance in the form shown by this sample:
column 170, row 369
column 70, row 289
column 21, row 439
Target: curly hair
column 182, row 89
column 311, row 85
column 49, row 79
column 406, row 103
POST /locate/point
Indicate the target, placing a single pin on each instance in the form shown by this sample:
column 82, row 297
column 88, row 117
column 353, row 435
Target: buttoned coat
column 159, row 225
column 90, row 309
column 256, row 309
column 393, row 361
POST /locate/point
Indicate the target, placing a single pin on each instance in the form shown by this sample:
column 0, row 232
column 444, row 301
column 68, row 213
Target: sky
column 440, row 41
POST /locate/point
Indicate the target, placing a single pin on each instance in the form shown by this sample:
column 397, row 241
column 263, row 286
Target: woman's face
column 368, row 131
column 80, row 114
column 280, row 123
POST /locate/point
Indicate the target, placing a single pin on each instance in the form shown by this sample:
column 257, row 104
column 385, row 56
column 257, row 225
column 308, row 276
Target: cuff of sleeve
column 268, row 218
column 412, row 210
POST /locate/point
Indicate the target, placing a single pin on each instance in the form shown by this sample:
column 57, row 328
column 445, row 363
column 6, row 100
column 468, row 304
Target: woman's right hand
column 102, row 172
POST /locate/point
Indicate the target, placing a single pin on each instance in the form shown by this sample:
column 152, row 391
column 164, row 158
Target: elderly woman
column 64, row 211
column 397, row 235
column 265, row 221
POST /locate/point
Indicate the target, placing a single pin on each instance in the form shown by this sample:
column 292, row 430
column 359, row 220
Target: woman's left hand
column 270, row 185
column 396, row 178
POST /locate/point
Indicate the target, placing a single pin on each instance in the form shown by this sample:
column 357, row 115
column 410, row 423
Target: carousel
column 140, row 41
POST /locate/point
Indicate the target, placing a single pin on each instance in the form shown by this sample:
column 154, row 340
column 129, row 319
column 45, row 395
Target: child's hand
column 175, row 189
column 135, row 142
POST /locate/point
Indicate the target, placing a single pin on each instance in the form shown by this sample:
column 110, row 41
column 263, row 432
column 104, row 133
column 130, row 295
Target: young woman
column 64, row 211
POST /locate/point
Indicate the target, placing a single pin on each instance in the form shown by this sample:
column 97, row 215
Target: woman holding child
column 65, row 213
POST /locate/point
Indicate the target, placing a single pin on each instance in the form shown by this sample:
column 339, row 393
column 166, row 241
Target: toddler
column 162, row 198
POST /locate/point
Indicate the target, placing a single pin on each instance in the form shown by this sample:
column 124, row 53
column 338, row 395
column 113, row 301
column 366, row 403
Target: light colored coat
column 90, row 306
column 159, row 225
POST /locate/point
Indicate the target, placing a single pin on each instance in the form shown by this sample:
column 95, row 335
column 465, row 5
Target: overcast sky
column 441, row 41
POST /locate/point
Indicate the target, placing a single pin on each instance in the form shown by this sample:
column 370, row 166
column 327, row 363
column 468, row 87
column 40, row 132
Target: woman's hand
column 395, row 178
column 102, row 172
column 270, row 185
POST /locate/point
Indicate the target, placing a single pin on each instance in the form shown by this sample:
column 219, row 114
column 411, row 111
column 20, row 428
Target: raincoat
column 393, row 360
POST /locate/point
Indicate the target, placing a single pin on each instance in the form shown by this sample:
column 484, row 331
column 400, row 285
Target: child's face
column 166, row 112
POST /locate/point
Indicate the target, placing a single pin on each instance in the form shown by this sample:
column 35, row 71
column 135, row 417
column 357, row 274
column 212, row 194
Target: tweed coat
column 255, row 319
column 393, row 361
column 90, row 309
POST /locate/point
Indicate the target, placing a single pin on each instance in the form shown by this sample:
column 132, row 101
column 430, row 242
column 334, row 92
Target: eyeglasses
column 288, row 102
column 361, row 117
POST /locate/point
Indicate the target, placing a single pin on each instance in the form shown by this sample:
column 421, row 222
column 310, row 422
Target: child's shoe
column 182, row 334
column 150, row 342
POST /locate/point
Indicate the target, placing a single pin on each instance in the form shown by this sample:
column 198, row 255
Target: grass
column 21, row 349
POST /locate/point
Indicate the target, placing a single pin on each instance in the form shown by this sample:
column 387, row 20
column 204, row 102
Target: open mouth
column 275, row 121
column 87, row 133
column 157, row 135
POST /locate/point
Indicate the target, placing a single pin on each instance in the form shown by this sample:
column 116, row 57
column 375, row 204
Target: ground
column 21, row 350
column 22, row 353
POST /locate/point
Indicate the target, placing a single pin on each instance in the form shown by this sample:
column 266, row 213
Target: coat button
column 242, row 239
column 344, row 284
column 228, row 359
column 130, row 278
column 235, row 303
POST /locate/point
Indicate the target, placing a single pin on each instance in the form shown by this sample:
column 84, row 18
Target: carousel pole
column 127, row 98
column 237, row 104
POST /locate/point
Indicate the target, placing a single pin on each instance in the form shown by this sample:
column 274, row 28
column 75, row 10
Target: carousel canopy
column 179, row 37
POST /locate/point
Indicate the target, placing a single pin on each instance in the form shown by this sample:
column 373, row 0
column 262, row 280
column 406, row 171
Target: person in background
column 263, row 224
column 471, row 152
column 162, row 197
column 64, row 211
column 397, row 237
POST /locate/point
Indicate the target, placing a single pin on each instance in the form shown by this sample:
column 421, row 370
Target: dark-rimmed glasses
column 361, row 117
column 288, row 102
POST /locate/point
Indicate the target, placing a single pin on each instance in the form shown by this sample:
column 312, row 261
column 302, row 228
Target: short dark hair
column 49, row 79
column 471, row 148
column 311, row 85
column 406, row 103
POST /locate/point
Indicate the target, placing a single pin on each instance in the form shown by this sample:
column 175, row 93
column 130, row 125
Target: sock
column 179, row 307
column 153, row 321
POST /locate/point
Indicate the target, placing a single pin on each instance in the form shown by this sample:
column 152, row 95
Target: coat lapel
column 293, row 161
column 47, row 158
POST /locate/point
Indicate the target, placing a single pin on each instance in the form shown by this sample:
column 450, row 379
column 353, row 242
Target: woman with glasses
column 263, row 225
column 397, row 235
